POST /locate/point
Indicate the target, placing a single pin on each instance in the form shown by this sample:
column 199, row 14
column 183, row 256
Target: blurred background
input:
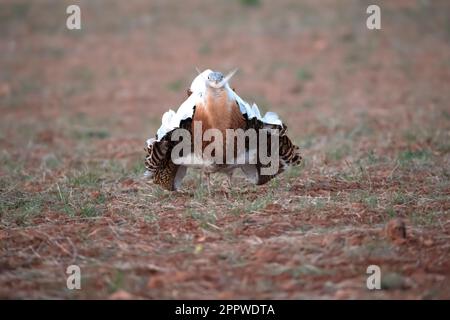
column 77, row 106
column 315, row 63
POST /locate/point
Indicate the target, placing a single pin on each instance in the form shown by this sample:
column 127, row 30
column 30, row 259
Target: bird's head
column 216, row 80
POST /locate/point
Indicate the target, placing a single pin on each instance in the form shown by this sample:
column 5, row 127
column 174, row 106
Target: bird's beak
column 227, row 78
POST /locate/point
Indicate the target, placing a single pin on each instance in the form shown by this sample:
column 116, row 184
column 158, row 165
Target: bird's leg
column 229, row 177
column 208, row 181
column 227, row 186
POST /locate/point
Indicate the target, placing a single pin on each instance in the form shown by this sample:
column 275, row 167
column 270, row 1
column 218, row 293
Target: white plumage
column 214, row 104
column 171, row 119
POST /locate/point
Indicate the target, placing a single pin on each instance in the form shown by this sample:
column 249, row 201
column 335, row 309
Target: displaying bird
column 213, row 106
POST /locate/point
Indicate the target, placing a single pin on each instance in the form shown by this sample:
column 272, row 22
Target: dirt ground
column 369, row 109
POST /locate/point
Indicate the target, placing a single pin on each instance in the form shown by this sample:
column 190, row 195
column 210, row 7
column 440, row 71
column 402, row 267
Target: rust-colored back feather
column 219, row 113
